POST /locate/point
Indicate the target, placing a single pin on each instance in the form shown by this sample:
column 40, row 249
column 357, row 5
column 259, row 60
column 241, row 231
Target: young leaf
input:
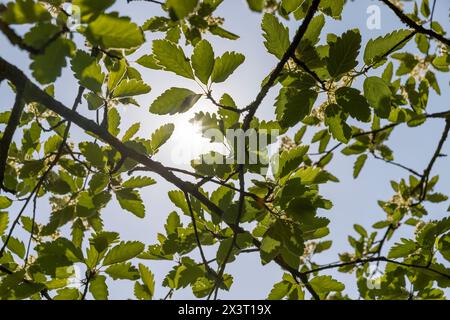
column 93, row 154
column 377, row 48
column 47, row 67
column 378, row 95
column 130, row 88
column 25, row 11
column 3, row 222
column 182, row 8
column 123, row 252
column 171, row 57
column 326, row 284
column 148, row 279
column 123, row 271
column 131, row 132
column 5, row 202
column 336, row 121
column 130, row 200
column 160, row 136
column 343, row 53
column 98, row 288
column 138, row 182
column 88, row 71
column 359, row 164
column 276, row 35
column 225, row 65
column 290, row 5
column 256, row 5
column 174, row 100
column 111, row 32
column 353, row 103
column 203, row 61
column 293, row 105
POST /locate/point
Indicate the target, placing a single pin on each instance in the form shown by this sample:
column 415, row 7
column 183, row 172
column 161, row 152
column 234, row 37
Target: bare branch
column 412, row 24
column 13, row 123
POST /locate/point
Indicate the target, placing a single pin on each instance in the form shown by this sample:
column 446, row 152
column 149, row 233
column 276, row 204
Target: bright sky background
column 354, row 201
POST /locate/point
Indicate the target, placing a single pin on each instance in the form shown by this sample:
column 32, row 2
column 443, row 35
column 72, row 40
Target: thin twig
column 412, row 24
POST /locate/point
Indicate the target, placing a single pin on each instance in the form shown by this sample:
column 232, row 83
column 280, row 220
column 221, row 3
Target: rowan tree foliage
column 277, row 217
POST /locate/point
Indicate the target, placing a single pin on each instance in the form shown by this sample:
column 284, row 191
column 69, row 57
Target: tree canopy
column 351, row 95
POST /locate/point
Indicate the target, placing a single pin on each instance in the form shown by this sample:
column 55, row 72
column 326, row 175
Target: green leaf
column 148, row 279
column 111, row 32
column 290, row 160
column 333, row 8
column 123, row 271
column 123, row 252
column 40, row 33
column 93, row 153
column 68, row 294
column 25, row 11
column 131, row 132
column 444, row 246
column 16, row 246
column 149, row 61
column 98, row 288
column 4, row 220
column 293, row 105
column 310, row 175
column 52, row 144
column 114, row 121
column 291, row 5
column 141, row 292
column 182, row 8
column 88, row 71
column 160, row 136
column 359, row 164
column 378, row 95
column 174, row 100
column 138, row 182
column 326, row 284
column 336, row 121
column 94, row 101
column 173, row 222
column 47, row 67
column 377, row 48
column 203, row 61
column 360, row 229
column 225, row 65
column 221, row 32
column 354, row 103
column 276, row 35
column 130, row 88
column 343, row 53
column 91, row 9
column 280, row 290
column 403, row 249
column 117, row 70
column 171, row 57
column 5, row 202
column 256, row 5
column 130, row 200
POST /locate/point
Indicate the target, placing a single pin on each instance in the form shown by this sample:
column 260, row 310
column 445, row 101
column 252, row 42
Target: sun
column 187, row 142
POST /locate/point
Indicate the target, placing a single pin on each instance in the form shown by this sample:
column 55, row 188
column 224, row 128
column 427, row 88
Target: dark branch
column 11, row 127
column 253, row 107
column 303, row 65
column 412, row 24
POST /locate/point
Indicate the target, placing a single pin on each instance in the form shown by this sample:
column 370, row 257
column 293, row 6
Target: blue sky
column 355, row 201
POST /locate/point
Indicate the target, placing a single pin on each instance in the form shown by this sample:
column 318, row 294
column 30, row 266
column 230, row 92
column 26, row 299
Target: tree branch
column 376, row 259
column 13, row 123
column 197, row 237
column 412, row 24
column 253, row 107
